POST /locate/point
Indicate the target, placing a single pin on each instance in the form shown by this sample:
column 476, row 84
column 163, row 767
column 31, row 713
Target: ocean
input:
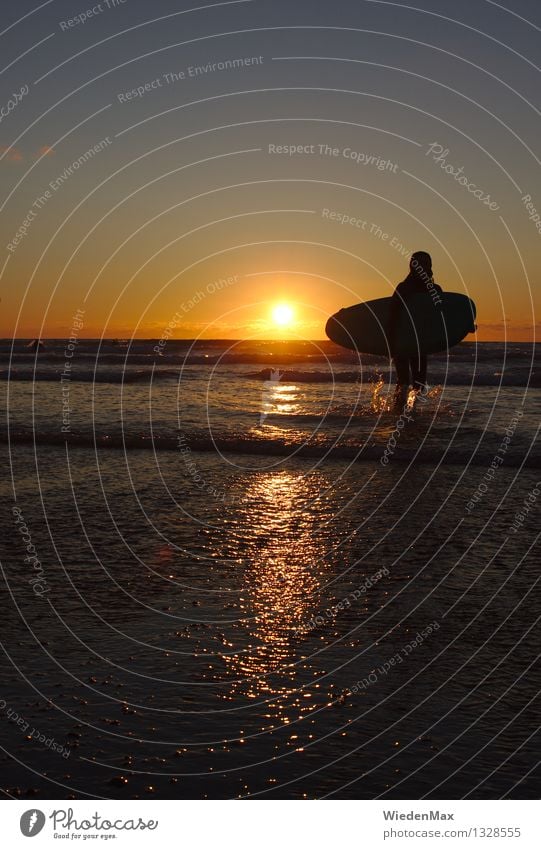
column 232, row 570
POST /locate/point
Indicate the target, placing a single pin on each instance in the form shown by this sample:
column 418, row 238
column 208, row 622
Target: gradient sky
column 185, row 191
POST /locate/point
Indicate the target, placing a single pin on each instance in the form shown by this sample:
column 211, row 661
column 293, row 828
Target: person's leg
column 418, row 371
column 402, row 366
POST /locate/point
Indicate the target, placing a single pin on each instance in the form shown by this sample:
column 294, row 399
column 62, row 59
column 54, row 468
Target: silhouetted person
column 419, row 280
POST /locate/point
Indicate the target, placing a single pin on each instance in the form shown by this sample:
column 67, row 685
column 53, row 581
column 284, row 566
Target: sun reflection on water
column 282, row 578
column 279, row 399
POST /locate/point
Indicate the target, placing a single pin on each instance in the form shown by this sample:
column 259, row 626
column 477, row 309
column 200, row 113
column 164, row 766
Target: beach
column 230, row 570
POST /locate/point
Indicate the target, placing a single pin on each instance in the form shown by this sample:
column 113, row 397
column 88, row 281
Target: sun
column 283, row 314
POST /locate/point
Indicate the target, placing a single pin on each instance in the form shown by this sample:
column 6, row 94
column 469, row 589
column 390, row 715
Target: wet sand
column 189, row 649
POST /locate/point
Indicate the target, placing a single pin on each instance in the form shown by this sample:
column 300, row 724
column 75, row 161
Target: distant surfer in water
column 419, row 279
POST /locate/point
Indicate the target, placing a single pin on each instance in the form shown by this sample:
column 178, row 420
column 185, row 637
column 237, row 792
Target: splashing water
column 379, row 402
column 412, row 396
column 413, row 399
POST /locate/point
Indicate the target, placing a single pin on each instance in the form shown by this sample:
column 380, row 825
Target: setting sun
column 282, row 315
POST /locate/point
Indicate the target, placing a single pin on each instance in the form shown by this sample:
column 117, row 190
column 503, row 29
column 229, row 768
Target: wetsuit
column 415, row 283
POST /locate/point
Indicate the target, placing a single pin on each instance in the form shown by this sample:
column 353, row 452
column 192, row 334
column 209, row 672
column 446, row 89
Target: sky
column 193, row 165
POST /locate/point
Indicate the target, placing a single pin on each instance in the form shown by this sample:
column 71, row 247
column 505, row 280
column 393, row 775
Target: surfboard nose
column 334, row 326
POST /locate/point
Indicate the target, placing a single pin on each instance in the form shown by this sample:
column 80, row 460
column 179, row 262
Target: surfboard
column 423, row 325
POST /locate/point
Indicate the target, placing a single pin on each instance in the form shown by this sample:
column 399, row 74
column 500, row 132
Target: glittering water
column 243, row 599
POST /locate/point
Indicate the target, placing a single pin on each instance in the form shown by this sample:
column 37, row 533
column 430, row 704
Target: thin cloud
column 10, row 154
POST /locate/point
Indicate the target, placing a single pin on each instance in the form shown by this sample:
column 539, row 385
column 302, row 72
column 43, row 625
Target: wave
column 209, row 352
column 57, row 360
column 273, row 447
column 453, row 378
column 130, row 376
column 366, row 377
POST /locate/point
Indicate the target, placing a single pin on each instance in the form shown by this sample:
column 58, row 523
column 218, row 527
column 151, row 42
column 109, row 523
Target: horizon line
column 232, row 339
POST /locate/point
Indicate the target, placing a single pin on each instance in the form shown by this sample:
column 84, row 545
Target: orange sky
column 308, row 175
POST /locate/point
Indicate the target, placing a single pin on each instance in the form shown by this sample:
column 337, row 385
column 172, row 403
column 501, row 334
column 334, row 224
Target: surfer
column 419, row 279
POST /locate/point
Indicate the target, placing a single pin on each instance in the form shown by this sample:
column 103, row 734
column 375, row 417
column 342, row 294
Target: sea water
column 258, row 578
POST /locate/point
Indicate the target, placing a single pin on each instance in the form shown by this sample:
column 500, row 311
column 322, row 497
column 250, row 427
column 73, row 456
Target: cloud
column 10, row 153
column 508, row 324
